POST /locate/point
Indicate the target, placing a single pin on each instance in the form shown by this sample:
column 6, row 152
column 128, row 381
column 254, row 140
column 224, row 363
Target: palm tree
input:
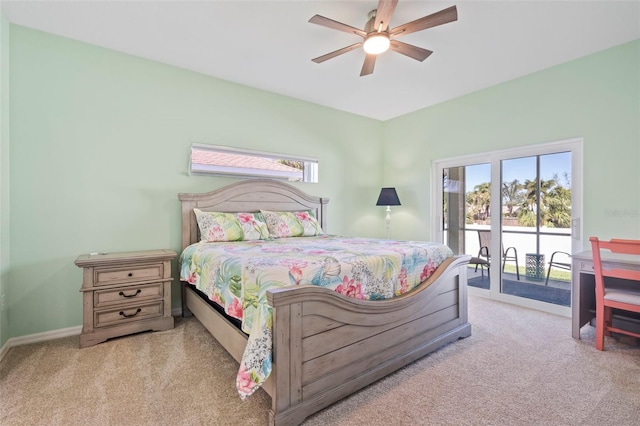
column 480, row 201
column 559, row 203
column 535, row 199
column 512, row 195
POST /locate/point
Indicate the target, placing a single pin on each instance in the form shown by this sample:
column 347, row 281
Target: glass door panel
column 466, row 213
column 536, row 219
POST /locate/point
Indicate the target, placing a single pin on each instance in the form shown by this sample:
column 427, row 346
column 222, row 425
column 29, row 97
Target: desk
column 583, row 288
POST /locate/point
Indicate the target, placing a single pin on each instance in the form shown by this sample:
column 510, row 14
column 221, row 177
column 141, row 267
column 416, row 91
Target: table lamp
column 388, row 197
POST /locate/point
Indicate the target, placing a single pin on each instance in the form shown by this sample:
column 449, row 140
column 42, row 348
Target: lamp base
column 388, row 220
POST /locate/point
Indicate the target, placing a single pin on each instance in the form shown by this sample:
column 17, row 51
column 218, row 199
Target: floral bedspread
column 238, row 274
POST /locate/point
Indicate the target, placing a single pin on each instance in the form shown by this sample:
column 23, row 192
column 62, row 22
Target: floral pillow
column 292, row 224
column 217, row 226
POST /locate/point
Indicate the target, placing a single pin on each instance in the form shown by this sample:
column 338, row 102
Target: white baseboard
column 39, row 337
column 54, row 334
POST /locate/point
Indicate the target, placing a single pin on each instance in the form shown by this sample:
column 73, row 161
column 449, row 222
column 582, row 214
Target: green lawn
column 556, row 274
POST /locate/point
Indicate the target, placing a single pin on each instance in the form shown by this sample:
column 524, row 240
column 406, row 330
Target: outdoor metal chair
column 482, row 263
column 484, row 237
column 562, row 264
column 624, row 295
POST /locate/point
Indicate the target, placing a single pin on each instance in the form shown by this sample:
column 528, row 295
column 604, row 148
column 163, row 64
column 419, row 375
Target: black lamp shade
column 388, row 197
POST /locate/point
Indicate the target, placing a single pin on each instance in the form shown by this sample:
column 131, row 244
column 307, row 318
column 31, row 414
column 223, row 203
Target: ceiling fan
column 378, row 37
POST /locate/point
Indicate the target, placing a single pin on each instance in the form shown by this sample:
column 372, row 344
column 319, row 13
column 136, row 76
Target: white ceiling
column 269, row 44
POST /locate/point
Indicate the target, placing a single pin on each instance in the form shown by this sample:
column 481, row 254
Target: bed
column 325, row 345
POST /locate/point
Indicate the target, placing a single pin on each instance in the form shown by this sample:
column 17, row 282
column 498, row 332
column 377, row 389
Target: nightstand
column 125, row 293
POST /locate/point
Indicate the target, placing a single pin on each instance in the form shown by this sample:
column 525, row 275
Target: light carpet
column 519, row 367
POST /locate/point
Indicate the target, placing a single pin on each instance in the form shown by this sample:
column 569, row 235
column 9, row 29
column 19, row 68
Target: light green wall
column 596, row 97
column 4, row 173
column 100, row 141
column 99, row 148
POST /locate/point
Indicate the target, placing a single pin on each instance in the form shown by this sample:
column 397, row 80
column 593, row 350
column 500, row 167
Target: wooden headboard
column 248, row 196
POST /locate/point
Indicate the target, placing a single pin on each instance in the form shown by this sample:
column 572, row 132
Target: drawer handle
column 132, row 315
column 130, row 295
column 130, row 274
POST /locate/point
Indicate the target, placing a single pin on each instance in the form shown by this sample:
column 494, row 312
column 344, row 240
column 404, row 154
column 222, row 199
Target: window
column 221, row 160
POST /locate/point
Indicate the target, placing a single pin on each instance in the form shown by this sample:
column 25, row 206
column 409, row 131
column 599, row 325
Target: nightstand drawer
column 134, row 273
column 121, row 314
column 120, row 295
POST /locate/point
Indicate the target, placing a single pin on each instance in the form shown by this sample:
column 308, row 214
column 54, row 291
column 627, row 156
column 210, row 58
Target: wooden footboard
column 327, row 346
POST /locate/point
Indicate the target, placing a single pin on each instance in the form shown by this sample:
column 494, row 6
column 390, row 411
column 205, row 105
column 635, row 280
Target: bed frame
column 327, row 346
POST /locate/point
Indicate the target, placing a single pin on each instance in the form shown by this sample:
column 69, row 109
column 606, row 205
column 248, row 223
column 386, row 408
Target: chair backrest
column 484, row 238
column 614, row 246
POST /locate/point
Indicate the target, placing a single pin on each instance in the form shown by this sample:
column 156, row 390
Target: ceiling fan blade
column 415, row 52
column 330, row 23
column 369, row 63
column 335, row 53
column 383, row 14
column 445, row 16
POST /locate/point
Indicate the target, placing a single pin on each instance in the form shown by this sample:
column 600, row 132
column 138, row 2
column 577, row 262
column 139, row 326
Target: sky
column 523, row 169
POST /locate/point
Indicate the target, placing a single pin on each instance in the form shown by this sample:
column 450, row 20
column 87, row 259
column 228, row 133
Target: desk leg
column 575, row 302
column 583, row 300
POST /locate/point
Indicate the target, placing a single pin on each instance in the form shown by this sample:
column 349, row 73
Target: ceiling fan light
column 376, row 43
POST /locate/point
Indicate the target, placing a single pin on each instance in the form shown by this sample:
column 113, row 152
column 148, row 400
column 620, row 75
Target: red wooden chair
column 609, row 296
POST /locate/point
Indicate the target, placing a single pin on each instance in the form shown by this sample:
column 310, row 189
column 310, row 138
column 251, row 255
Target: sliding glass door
column 517, row 214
